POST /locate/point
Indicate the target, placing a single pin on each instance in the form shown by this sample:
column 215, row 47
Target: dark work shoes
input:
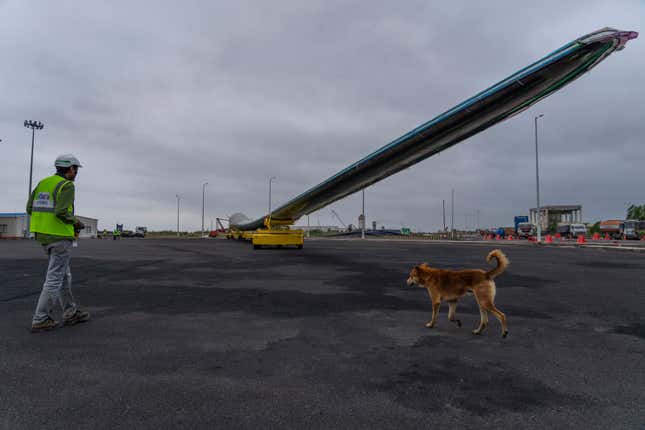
column 48, row 324
column 78, row 317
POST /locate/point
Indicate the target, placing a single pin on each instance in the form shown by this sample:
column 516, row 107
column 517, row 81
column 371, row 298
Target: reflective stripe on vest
column 43, row 218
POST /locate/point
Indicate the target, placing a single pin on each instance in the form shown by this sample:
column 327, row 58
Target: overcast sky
column 158, row 97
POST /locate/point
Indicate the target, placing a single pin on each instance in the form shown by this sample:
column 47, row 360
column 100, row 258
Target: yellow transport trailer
column 273, row 234
column 277, row 233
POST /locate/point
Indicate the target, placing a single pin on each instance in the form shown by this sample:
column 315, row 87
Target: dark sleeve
column 30, row 202
column 65, row 200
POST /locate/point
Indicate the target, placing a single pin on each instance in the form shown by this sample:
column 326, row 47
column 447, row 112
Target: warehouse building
column 14, row 226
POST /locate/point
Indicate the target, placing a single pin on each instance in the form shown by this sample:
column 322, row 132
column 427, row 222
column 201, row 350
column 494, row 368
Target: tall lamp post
column 178, row 198
column 203, row 201
column 452, row 214
column 363, row 215
column 537, row 182
column 33, row 125
column 269, row 215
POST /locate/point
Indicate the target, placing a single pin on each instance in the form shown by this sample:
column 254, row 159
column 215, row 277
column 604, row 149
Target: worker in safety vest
column 116, row 234
column 51, row 206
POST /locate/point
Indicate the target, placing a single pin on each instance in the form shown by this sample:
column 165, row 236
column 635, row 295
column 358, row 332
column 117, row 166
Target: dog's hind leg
column 500, row 316
column 436, row 302
column 483, row 322
column 452, row 307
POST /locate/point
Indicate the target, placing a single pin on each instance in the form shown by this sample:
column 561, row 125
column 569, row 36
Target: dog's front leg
column 452, row 308
column 436, row 302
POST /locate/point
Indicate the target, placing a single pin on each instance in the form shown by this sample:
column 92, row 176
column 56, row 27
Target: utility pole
column 363, row 215
column 270, row 180
column 308, row 226
column 178, row 198
column 452, row 215
column 477, row 215
column 203, row 204
column 444, row 214
column 537, row 183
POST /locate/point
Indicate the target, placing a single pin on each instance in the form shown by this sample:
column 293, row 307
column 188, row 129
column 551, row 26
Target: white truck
column 572, row 230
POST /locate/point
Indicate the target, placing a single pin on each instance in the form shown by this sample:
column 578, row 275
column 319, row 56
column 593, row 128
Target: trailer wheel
column 257, row 246
column 299, row 247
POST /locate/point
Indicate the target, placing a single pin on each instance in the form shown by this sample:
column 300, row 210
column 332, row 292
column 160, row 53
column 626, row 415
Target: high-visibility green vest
column 43, row 218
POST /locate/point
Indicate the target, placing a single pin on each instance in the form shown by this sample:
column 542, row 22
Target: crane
column 339, row 218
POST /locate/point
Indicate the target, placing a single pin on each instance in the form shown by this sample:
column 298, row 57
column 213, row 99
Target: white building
column 14, row 226
column 91, row 227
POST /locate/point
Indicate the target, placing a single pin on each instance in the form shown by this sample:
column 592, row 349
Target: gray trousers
column 58, row 282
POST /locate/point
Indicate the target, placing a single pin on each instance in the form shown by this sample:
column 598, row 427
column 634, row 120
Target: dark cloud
column 157, row 98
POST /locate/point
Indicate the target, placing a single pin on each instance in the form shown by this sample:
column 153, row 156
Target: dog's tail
column 502, row 263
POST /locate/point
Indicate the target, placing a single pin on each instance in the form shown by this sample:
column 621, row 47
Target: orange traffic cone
column 549, row 239
column 510, row 237
column 581, row 239
column 558, row 236
column 596, row 236
column 497, row 237
column 606, row 236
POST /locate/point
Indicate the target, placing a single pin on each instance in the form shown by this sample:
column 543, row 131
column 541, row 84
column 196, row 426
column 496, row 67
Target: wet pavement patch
column 634, row 329
column 482, row 389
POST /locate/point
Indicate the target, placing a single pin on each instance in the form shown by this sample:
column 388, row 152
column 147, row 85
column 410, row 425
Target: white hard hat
column 67, row 160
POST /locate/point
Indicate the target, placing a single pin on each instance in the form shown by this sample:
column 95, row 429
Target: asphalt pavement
column 213, row 334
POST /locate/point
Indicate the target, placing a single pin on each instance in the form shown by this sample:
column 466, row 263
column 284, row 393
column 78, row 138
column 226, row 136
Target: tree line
column 636, row 212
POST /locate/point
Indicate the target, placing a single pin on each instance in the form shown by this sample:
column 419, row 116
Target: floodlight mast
column 33, row 125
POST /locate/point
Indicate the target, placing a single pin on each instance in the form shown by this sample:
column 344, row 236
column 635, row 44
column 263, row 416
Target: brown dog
column 450, row 285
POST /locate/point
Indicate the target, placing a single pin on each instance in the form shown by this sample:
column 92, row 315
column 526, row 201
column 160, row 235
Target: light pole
column 33, row 125
column 444, row 214
column 452, row 214
column 537, row 182
column 363, row 215
column 203, row 200
column 308, row 227
column 178, row 198
column 270, row 180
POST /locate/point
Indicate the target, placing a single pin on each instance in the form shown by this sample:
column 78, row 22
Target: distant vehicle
column 499, row 231
column 212, row 233
column 519, row 220
column 572, row 230
column 127, row 233
column 633, row 229
column 613, row 227
column 140, row 231
column 525, row 229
